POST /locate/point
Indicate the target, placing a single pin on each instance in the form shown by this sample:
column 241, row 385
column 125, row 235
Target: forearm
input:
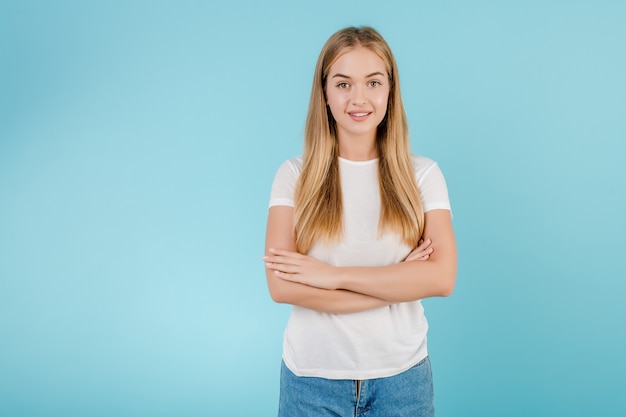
column 411, row 280
column 302, row 280
column 325, row 301
column 406, row 281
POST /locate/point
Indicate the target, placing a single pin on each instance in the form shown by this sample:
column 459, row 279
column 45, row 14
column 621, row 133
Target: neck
column 358, row 149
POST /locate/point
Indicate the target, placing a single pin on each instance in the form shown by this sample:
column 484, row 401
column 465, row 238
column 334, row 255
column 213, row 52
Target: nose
column 358, row 95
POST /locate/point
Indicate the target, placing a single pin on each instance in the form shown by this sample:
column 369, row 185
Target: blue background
column 138, row 142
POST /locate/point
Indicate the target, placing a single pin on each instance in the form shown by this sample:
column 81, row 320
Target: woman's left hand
column 422, row 252
column 295, row 267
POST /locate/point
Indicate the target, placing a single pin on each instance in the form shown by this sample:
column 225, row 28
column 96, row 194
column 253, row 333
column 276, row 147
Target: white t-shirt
column 371, row 344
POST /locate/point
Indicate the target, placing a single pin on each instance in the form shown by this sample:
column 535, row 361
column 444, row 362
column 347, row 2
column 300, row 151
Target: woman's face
column 357, row 91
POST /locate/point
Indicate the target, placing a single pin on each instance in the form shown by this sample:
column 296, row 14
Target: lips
column 360, row 115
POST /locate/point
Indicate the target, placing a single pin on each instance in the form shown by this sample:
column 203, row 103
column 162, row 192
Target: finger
column 287, row 260
column 300, row 279
column 418, row 254
column 283, row 252
column 287, row 277
column 418, row 251
column 423, row 244
column 290, row 269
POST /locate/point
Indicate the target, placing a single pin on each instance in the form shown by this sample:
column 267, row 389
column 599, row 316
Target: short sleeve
column 285, row 182
column 431, row 184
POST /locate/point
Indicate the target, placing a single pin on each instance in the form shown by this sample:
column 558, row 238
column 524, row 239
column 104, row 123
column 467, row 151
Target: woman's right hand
column 421, row 252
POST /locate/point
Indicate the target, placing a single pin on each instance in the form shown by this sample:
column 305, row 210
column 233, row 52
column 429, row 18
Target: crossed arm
column 293, row 278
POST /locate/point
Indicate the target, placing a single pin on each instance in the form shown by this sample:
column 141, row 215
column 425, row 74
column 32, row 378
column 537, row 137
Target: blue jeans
column 407, row 394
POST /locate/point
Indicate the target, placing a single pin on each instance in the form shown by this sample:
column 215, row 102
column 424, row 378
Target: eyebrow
column 338, row 75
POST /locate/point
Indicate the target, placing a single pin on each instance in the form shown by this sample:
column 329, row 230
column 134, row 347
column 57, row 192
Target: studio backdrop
column 138, row 143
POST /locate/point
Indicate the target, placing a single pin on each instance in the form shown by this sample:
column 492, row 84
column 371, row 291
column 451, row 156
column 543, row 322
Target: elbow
column 275, row 289
column 447, row 284
column 447, row 290
column 278, row 292
column 278, row 296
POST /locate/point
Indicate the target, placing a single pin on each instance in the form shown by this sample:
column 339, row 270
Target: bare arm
column 280, row 235
column 411, row 280
column 406, row 281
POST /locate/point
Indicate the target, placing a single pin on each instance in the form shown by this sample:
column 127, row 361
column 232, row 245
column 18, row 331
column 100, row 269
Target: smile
column 359, row 116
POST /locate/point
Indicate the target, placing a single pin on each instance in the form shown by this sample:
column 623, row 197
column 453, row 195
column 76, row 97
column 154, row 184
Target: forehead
column 358, row 62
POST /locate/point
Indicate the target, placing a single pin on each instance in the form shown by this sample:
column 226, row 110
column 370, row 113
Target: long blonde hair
column 318, row 207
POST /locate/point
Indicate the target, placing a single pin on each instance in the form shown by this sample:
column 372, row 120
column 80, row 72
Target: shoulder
column 422, row 166
column 431, row 183
column 285, row 181
column 291, row 167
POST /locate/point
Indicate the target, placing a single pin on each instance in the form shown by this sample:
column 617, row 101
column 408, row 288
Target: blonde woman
column 359, row 231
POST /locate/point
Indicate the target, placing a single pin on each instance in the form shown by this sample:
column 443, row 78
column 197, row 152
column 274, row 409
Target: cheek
column 335, row 105
column 382, row 100
column 381, row 107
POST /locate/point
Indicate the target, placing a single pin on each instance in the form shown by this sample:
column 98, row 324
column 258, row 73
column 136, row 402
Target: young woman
column 359, row 231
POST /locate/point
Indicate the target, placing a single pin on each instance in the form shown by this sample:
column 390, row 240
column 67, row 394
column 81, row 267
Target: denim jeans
column 407, row 394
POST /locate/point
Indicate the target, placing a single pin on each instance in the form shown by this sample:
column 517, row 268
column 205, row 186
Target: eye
column 374, row 83
column 343, row 85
